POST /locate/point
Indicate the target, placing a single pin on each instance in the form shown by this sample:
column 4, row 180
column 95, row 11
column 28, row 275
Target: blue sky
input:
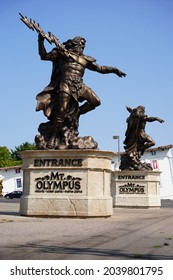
column 135, row 36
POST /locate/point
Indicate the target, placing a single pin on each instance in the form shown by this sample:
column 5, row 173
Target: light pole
column 118, row 138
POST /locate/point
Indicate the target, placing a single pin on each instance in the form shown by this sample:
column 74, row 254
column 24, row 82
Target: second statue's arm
column 153, row 119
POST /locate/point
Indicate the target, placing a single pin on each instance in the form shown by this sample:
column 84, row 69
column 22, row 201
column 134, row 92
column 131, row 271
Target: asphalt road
column 128, row 234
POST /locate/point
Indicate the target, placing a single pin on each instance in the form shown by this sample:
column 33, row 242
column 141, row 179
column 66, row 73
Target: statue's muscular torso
column 69, row 67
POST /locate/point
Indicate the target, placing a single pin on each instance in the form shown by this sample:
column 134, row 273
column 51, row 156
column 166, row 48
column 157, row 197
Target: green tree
column 15, row 154
column 4, row 156
column 13, row 158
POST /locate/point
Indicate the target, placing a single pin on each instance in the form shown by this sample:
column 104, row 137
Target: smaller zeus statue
column 136, row 140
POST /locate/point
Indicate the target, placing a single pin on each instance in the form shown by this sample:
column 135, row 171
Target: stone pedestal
column 138, row 189
column 66, row 183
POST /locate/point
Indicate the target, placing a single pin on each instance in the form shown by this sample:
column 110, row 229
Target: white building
column 12, row 179
column 160, row 159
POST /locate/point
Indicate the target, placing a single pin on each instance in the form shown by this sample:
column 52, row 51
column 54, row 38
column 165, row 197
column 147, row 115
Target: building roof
column 162, row 148
column 11, row 167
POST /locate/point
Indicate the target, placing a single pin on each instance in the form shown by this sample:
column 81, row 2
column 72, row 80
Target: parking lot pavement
column 128, row 234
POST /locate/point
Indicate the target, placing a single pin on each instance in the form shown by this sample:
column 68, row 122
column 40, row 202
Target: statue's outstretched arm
column 153, row 119
column 105, row 69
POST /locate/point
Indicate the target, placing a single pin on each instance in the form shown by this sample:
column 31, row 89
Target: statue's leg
column 63, row 102
column 57, row 118
column 92, row 100
column 149, row 142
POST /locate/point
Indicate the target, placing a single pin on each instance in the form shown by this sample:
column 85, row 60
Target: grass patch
column 6, row 221
column 168, row 238
column 157, row 246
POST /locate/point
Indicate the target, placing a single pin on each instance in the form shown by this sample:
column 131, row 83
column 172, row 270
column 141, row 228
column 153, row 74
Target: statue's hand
column 120, row 73
column 40, row 37
column 160, row 120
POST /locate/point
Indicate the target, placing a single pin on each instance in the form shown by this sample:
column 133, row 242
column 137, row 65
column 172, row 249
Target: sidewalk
column 128, row 234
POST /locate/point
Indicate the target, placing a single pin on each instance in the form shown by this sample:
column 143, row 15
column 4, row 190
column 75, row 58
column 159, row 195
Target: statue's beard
column 76, row 50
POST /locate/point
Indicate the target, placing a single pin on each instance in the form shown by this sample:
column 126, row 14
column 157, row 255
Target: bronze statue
column 60, row 99
column 136, row 140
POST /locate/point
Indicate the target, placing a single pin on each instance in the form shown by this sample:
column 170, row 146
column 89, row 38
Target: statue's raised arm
column 51, row 38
